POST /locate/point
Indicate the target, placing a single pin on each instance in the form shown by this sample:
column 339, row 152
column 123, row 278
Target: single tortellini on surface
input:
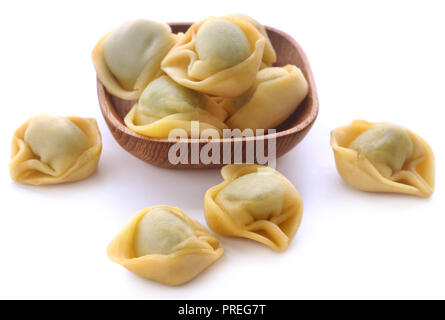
column 53, row 149
column 129, row 57
column 217, row 56
column 269, row 55
column 382, row 157
column 165, row 105
column 164, row 244
column 254, row 202
column 275, row 95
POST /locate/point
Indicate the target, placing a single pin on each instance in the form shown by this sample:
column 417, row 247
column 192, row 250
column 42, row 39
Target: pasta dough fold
column 129, row 57
column 381, row 157
column 51, row 150
column 220, row 107
column 269, row 55
column 254, row 202
column 275, row 95
column 217, row 56
column 165, row 105
column 164, row 244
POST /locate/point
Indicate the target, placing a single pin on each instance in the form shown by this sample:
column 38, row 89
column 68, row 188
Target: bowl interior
column 288, row 52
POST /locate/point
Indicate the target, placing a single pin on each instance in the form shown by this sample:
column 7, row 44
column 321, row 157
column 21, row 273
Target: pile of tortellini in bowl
column 219, row 72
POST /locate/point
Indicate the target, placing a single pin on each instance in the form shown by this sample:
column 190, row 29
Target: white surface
column 374, row 60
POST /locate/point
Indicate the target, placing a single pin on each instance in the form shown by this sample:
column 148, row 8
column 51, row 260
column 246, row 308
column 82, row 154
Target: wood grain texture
column 155, row 150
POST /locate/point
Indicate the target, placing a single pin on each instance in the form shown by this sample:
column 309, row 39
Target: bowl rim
column 109, row 108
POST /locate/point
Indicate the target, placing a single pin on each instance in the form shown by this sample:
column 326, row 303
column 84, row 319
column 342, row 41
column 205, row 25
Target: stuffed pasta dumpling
column 165, row 105
column 217, row 56
column 382, row 157
column 254, row 202
column 52, row 149
column 275, row 95
column 269, row 55
column 129, row 57
column 164, row 244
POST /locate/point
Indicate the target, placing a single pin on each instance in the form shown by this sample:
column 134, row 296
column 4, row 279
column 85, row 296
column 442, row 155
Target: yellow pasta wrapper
column 220, row 107
column 383, row 160
column 269, row 55
column 51, row 150
column 164, row 244
column 165, row 105
column 276, row 94
column 129, row 57
column 254, row 202
column 217, row 56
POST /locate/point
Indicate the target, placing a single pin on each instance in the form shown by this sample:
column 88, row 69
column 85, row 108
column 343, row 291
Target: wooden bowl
column 155, row 150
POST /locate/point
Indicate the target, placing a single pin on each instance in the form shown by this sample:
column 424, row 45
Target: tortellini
column 254, row 202
column 129, row 57
column 165, row 105
column 217, row 56
column 269, row 55
column 220, row 44
column 382, row 157
column 276, row 93
column 164, row 244
column 52, row 149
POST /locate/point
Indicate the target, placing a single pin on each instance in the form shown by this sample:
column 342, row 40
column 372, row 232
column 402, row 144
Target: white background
column 374, row 60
